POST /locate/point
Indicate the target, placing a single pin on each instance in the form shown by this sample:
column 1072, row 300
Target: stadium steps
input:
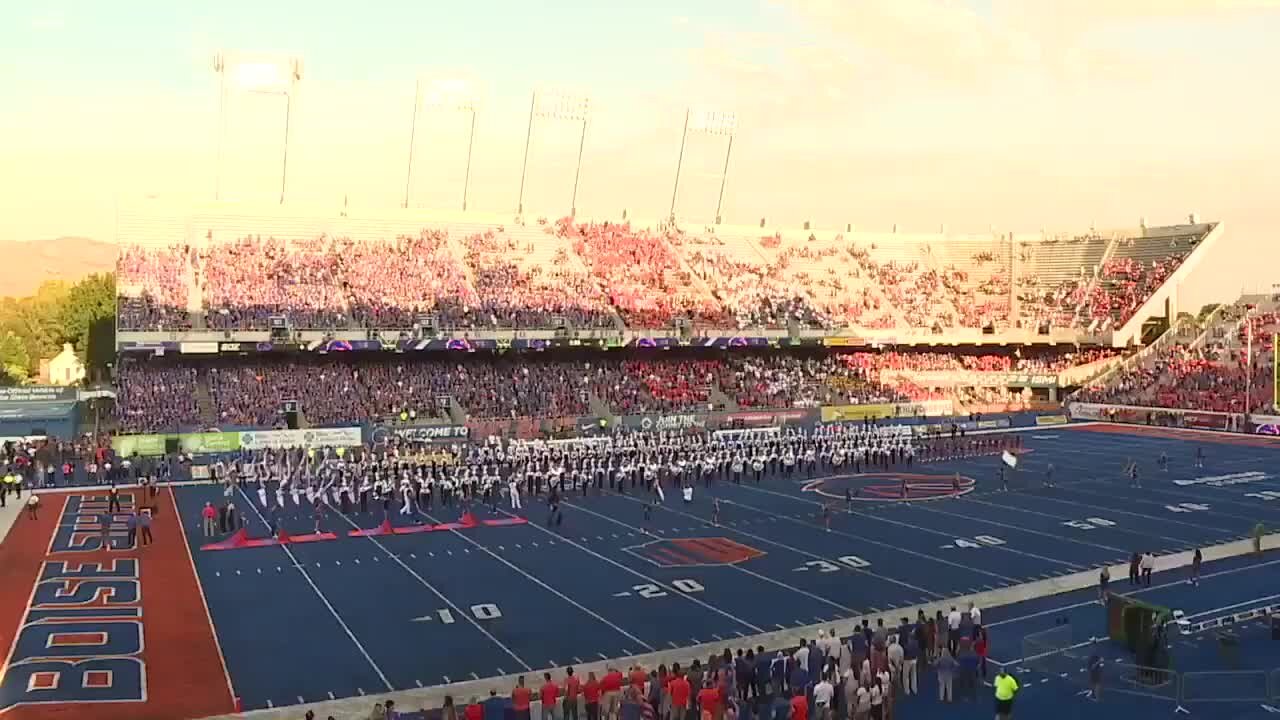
column 720, row 399
column 204, row 398
column 599, row 407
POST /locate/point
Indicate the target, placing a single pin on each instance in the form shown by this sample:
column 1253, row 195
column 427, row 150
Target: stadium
column 423, row 462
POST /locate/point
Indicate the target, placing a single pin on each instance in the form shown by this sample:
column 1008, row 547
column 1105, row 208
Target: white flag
column 1010, row 459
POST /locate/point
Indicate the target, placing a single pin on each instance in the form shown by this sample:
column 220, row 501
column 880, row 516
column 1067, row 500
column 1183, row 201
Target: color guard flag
column 1010, row 459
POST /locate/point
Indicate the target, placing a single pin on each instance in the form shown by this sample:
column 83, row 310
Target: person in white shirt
column 862, row 703
column 1148, row 567
column 801, row 655
column 513, row 492
column 822, row 694
column 953, row 625
column 975, row 617
column 895, row 654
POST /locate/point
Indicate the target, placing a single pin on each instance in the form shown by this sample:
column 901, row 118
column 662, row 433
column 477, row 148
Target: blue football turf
column 307, row 622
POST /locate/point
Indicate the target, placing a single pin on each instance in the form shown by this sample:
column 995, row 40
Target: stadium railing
column 1054, row 652
column 1142, row 681
column 1226, row 686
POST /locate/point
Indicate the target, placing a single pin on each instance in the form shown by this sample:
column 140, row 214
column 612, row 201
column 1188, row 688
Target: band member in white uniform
column 513, row 490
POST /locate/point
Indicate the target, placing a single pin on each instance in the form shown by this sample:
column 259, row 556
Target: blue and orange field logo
column 891, row 486
column 82, row 637
column 695, row 552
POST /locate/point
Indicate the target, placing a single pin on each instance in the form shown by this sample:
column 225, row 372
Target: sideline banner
column 843, row 413
column 795, row 416
column 1051, row 420
column 192, row 443
column 143, row 445
column 683, row 421
column 309, row 438
column 422, row 433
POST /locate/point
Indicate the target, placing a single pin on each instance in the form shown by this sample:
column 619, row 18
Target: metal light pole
column 413, row 130
column 524, row 167
column 675, row 186
column 577, row 170
column 724, row 177
column 219, row 66
column 471, row 139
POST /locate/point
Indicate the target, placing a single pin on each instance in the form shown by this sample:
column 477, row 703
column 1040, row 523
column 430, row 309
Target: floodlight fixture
column 557, row 105
column 445, row 94
column 706, row 121
column 256, row 74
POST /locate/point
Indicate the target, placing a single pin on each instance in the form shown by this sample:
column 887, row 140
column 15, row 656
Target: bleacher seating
column 533, row 274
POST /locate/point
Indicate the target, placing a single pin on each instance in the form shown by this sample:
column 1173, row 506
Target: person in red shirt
column 638, row 678
column 572, row 687
column 591, row 696
column 520, row 699
column 680, row 691
column 474, row 710
column 550, row 694
column 709, row 701
column 980, row 647
column 611, row 693
column 799, row 706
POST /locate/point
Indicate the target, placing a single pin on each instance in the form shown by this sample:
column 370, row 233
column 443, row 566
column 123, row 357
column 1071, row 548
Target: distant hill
column 28, row 264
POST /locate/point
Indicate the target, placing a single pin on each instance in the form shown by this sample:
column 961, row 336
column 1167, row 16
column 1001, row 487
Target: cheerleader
column 280, row 493
column 262, row 494
column 296, row 492
column 736, row 468
column 757, row 467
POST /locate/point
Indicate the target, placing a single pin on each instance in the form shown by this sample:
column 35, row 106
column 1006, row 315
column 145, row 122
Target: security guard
column 1006, row 688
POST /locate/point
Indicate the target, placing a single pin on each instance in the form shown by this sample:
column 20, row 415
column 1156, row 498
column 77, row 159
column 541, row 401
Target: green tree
column 85, row 303
column 14, row 362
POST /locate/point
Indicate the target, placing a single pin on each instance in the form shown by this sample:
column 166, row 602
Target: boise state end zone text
column 81, row 639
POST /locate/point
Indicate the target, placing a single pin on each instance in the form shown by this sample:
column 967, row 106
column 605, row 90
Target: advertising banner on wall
column 209, row 442
column 37, row 393
column 422, row 434
column 1051, row 420
column 309, row 438
column 796, row 416
column 845, row 413
column 658, row 423
column 144, row 445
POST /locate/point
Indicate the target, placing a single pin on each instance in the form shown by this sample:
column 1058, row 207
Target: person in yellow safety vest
column 1006, row 688
column 5, row 483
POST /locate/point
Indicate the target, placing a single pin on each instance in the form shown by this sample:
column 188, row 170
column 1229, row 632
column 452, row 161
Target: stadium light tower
column 256, row 75
column 446, row 95
column 708, row 122
column 556, row 106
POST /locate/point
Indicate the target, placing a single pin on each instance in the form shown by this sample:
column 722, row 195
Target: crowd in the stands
column 597, row 274
column 157, row 395
column 1216, row 375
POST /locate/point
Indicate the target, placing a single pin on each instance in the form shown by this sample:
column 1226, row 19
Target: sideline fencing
column 1225, row 686
column 1054, row 651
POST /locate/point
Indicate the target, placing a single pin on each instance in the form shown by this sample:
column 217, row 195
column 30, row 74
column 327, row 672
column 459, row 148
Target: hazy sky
column 1018, row 113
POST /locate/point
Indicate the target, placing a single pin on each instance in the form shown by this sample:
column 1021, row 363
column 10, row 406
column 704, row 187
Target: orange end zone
column 172, row 669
